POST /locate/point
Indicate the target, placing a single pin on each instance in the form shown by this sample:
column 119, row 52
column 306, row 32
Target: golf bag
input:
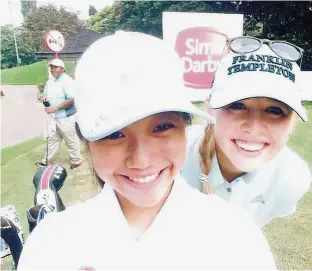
column 37, row 213
column 47, row 181
column 12, row 236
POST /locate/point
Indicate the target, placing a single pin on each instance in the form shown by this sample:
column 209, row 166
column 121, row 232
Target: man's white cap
column 57, row 63
column 258, row 74
column 124, row 78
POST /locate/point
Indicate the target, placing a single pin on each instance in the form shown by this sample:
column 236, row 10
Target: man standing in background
column 58, row 96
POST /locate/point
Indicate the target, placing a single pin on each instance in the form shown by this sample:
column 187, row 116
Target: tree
column 92, row 10
column 143, row 16
column 46, row 18
column 287, row 20
column 8, row 54
column 27, row 7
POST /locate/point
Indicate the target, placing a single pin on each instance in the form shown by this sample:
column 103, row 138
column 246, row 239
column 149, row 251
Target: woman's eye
column 237, row 106
column 115, row 135
column 163, row 127
column 274, row 110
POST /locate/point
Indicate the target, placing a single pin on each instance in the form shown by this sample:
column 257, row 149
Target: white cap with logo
column 258, row 74
column 57, row 63
column 126, row 77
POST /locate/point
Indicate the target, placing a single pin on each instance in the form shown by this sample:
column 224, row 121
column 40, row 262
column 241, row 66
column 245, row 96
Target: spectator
column 59, row 93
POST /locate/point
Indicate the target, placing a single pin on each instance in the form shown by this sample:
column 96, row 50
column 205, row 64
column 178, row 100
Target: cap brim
column 222, row 98
column 120, row 121
column 51, row 64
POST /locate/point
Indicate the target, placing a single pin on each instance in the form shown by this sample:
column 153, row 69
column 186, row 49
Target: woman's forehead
column 163, row 116
column 264, row 101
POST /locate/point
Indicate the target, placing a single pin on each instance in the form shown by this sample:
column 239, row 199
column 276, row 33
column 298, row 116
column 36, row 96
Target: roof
column 76, row 44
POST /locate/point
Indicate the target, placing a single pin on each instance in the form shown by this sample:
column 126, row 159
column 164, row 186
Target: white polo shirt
column 190, row 232
column 271, row 191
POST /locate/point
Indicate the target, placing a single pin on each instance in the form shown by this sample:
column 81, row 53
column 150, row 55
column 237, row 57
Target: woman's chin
column 147, row 203
column 248, row 165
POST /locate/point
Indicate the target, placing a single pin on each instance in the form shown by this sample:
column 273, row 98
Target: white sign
column 55, row 41
column 10, row 213
column 306, row 85
column 200, row 41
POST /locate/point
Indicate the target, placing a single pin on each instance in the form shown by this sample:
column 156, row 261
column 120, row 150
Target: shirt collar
column 216, row 178
column 58, row 78
column 116, row 219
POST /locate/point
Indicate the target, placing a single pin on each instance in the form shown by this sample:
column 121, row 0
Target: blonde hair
column 207, row 150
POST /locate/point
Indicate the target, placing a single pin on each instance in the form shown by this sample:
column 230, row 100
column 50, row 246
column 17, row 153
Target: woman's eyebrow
column 167, row 116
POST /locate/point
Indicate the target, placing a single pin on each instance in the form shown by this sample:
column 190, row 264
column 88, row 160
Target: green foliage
column 49, row 17
column 92, row 10
column 27, row 7
column 41, row 85
column 286, row 20
column 307, row 105
column 142, row 16
column 283, row 20
column 8, row 54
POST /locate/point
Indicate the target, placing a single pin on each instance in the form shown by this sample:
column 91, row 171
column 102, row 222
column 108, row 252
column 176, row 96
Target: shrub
column 40, row 86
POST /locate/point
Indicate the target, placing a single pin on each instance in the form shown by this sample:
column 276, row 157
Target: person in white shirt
column 132, row 114
column 243, row 158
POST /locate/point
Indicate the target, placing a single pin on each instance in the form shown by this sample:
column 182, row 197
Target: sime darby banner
column 200, row 41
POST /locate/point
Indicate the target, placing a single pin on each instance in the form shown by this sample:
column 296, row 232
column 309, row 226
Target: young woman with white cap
column 243, row 158
column 133, row 115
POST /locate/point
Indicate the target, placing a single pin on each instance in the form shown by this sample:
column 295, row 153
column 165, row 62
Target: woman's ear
column 294, row 120
column 208, row 108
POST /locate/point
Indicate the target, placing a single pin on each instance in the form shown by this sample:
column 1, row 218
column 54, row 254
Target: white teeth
column 146, row 179
column 249, row 146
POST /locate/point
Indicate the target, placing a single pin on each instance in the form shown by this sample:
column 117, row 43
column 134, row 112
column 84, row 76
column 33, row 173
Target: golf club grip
column 46, row 103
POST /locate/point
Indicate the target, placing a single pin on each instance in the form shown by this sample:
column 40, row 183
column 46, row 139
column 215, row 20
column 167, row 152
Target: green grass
column 30, row 74
column 301, row 139
column 17, row 182
column 11, row 152
column 290, row 238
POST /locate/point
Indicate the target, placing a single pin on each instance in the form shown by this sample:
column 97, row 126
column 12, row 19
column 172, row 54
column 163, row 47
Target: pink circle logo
column 200, row 49
column 86, row 268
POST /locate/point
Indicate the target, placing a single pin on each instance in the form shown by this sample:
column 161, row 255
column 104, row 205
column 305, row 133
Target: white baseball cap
column 258, row 74
column 124, row 78
column 57, row 63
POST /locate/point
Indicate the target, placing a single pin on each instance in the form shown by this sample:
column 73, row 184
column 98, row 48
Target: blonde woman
column 243, row 158
column 132, row 116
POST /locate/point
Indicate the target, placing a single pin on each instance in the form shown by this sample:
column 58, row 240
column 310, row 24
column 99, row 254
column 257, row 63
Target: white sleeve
column 291, row 191
column 41, row 247
column 241, row 242
column 69, row 88
column 249, row 247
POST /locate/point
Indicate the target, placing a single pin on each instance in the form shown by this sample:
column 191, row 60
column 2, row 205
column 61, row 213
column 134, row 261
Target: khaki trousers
column 57, row 130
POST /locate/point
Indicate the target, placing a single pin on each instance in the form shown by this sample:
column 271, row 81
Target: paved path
column 22, row 118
